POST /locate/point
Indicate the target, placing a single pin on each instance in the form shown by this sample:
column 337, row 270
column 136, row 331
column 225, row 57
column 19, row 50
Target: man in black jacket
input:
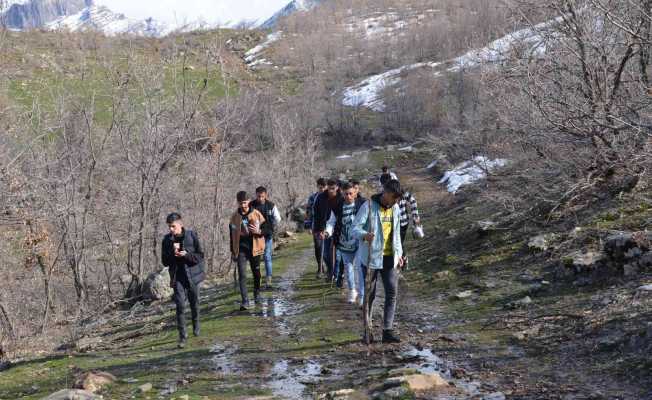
column 272, row 218
column 325, row 203
column 182, row 253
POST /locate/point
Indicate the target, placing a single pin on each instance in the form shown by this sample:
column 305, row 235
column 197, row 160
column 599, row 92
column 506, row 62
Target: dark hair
column 346, row 186
column 173, row 217
column 384, row 178
column 354, row 182
column 332, row 182
column 261, row 189
column 393, row 186
column 242, row 196
column 321, row 182
column 385, row 168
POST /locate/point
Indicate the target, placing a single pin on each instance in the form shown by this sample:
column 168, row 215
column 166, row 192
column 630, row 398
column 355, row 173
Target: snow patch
column 469, row 172
column 252, row 54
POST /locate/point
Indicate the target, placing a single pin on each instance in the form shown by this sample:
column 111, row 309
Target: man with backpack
column 340, row 228
column 247, row 245
column 378, row 226
column 272, row 219
column 182, row 253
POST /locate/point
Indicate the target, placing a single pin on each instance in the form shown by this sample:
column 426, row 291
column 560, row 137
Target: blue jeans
column 269, row 248
column 346, row 258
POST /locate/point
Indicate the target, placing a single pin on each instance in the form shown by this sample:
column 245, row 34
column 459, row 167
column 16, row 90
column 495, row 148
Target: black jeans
column 324, row 248
column 389, row 275
column 254, row 262
column 185, row 289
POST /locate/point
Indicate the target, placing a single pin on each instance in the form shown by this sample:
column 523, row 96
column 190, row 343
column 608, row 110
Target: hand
column 173, row 283
column 369, row 237
column 401, row 262
column 321, row 235
column 417, row 221
column 180, row 253
column 254, row 230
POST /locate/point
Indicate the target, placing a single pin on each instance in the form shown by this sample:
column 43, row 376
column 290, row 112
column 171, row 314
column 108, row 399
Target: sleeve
column 330, row 225
column 277, row 215
column 360, row 221
column 197, row 256
column 264, row 226
column 231, row 229
column 414, row 207
column 166, row 256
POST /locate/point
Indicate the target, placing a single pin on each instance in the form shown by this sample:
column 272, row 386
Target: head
column 332, row 188
column 392, row 193
column 348, row 192
column 243, row 201
column 356, row 186
column 321, row 184
column 175, row 223
column 261, row 194
column 384, row 178
column 385, row 169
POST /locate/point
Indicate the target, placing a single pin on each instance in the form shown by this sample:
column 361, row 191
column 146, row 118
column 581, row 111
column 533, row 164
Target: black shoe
column 257, row 299
column 318, row 275
column 245, row 306
column 389, row 336
column 195, row 330
column 182, row 343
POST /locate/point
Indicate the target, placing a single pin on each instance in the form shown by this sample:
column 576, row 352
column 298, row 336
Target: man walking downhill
column 384, row 244
column 182, row 253
column 272, row 219
column 325, row 203
column 387, row 175
column 340, row 228
column 408, row 200
column 321, row 188
column 247, row 245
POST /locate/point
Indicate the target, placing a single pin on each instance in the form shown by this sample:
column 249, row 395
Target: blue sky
column 211, row 11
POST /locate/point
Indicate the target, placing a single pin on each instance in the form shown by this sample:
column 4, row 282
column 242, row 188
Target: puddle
column 291, row 383
column 223, row 360
column 424, row 361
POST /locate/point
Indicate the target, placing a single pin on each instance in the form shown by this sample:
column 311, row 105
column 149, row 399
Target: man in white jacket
column 378, row 226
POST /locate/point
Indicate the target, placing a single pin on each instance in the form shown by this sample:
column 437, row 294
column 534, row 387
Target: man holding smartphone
column 182, row 253
column 247, row 245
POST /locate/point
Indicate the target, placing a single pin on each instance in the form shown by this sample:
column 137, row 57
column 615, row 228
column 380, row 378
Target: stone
column 184, row 397
column 442, row 275
column 402, row 372
column 157, row 286
column 73, row 394
column 464, row 295
column 418, row 382
column 86, row 344
column 524, row 301
column 94, row 381
column 486, row 226
column 395, row 393
column 645, row 288
column 342, row 394
column 583, row 260
column 146, row 387
column 494, row 396
column 542, row 242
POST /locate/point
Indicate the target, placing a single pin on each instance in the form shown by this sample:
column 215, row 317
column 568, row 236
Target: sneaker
column 245, row 306
column 182, row 343
column 195, row 329
column 268, row 283
column 318, row 275
column 257, row 299
column 389, row 336
column 353, row 295
column 361, row 301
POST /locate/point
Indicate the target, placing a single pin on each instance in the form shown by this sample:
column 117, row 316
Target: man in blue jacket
column 379, row 230
column 182, row 253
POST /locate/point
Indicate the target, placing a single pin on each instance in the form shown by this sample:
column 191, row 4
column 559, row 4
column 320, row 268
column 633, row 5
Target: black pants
column 324, row 248
column 245, row 257
column 404, row 230
column 185, row 289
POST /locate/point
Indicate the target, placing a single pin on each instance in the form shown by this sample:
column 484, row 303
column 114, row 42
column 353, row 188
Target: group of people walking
column 351, row 235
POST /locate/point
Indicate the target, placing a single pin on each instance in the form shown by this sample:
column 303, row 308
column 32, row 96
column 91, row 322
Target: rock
column 486, row 226
column 464, row 295
column 144, row 388
column 73, row 394
column 287, row 234
column 442, row 275
column 418, row 382
column 583, row 260
column 86, row 344
column 542, row 242
column 94, row 381
column 402, row 372
column 494, row 396
column 184, row 397
column 157, row 286
column 645, row 288
column 524, row 301
column 394, row 393
column 342, row 394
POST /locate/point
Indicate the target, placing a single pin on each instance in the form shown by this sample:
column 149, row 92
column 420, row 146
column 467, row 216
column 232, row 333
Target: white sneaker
column 353, row 296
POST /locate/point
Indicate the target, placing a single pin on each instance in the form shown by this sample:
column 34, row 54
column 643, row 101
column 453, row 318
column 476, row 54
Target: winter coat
column 255, row 217
column 271, row 214
column 334, row 224
column 362, row 227
column 322, row 211
column 192, row 264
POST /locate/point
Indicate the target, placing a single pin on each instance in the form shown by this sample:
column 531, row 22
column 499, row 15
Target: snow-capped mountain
column 291, row 8
column 28, row 14
column 102, row 19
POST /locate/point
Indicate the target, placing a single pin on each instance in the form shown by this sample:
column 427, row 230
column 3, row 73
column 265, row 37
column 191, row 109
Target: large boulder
column 419, row 382
column 157, row 286
column 94, row 381
column 73, row 394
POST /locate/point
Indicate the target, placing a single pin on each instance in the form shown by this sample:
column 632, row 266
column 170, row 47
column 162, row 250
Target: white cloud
column 178, row 12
